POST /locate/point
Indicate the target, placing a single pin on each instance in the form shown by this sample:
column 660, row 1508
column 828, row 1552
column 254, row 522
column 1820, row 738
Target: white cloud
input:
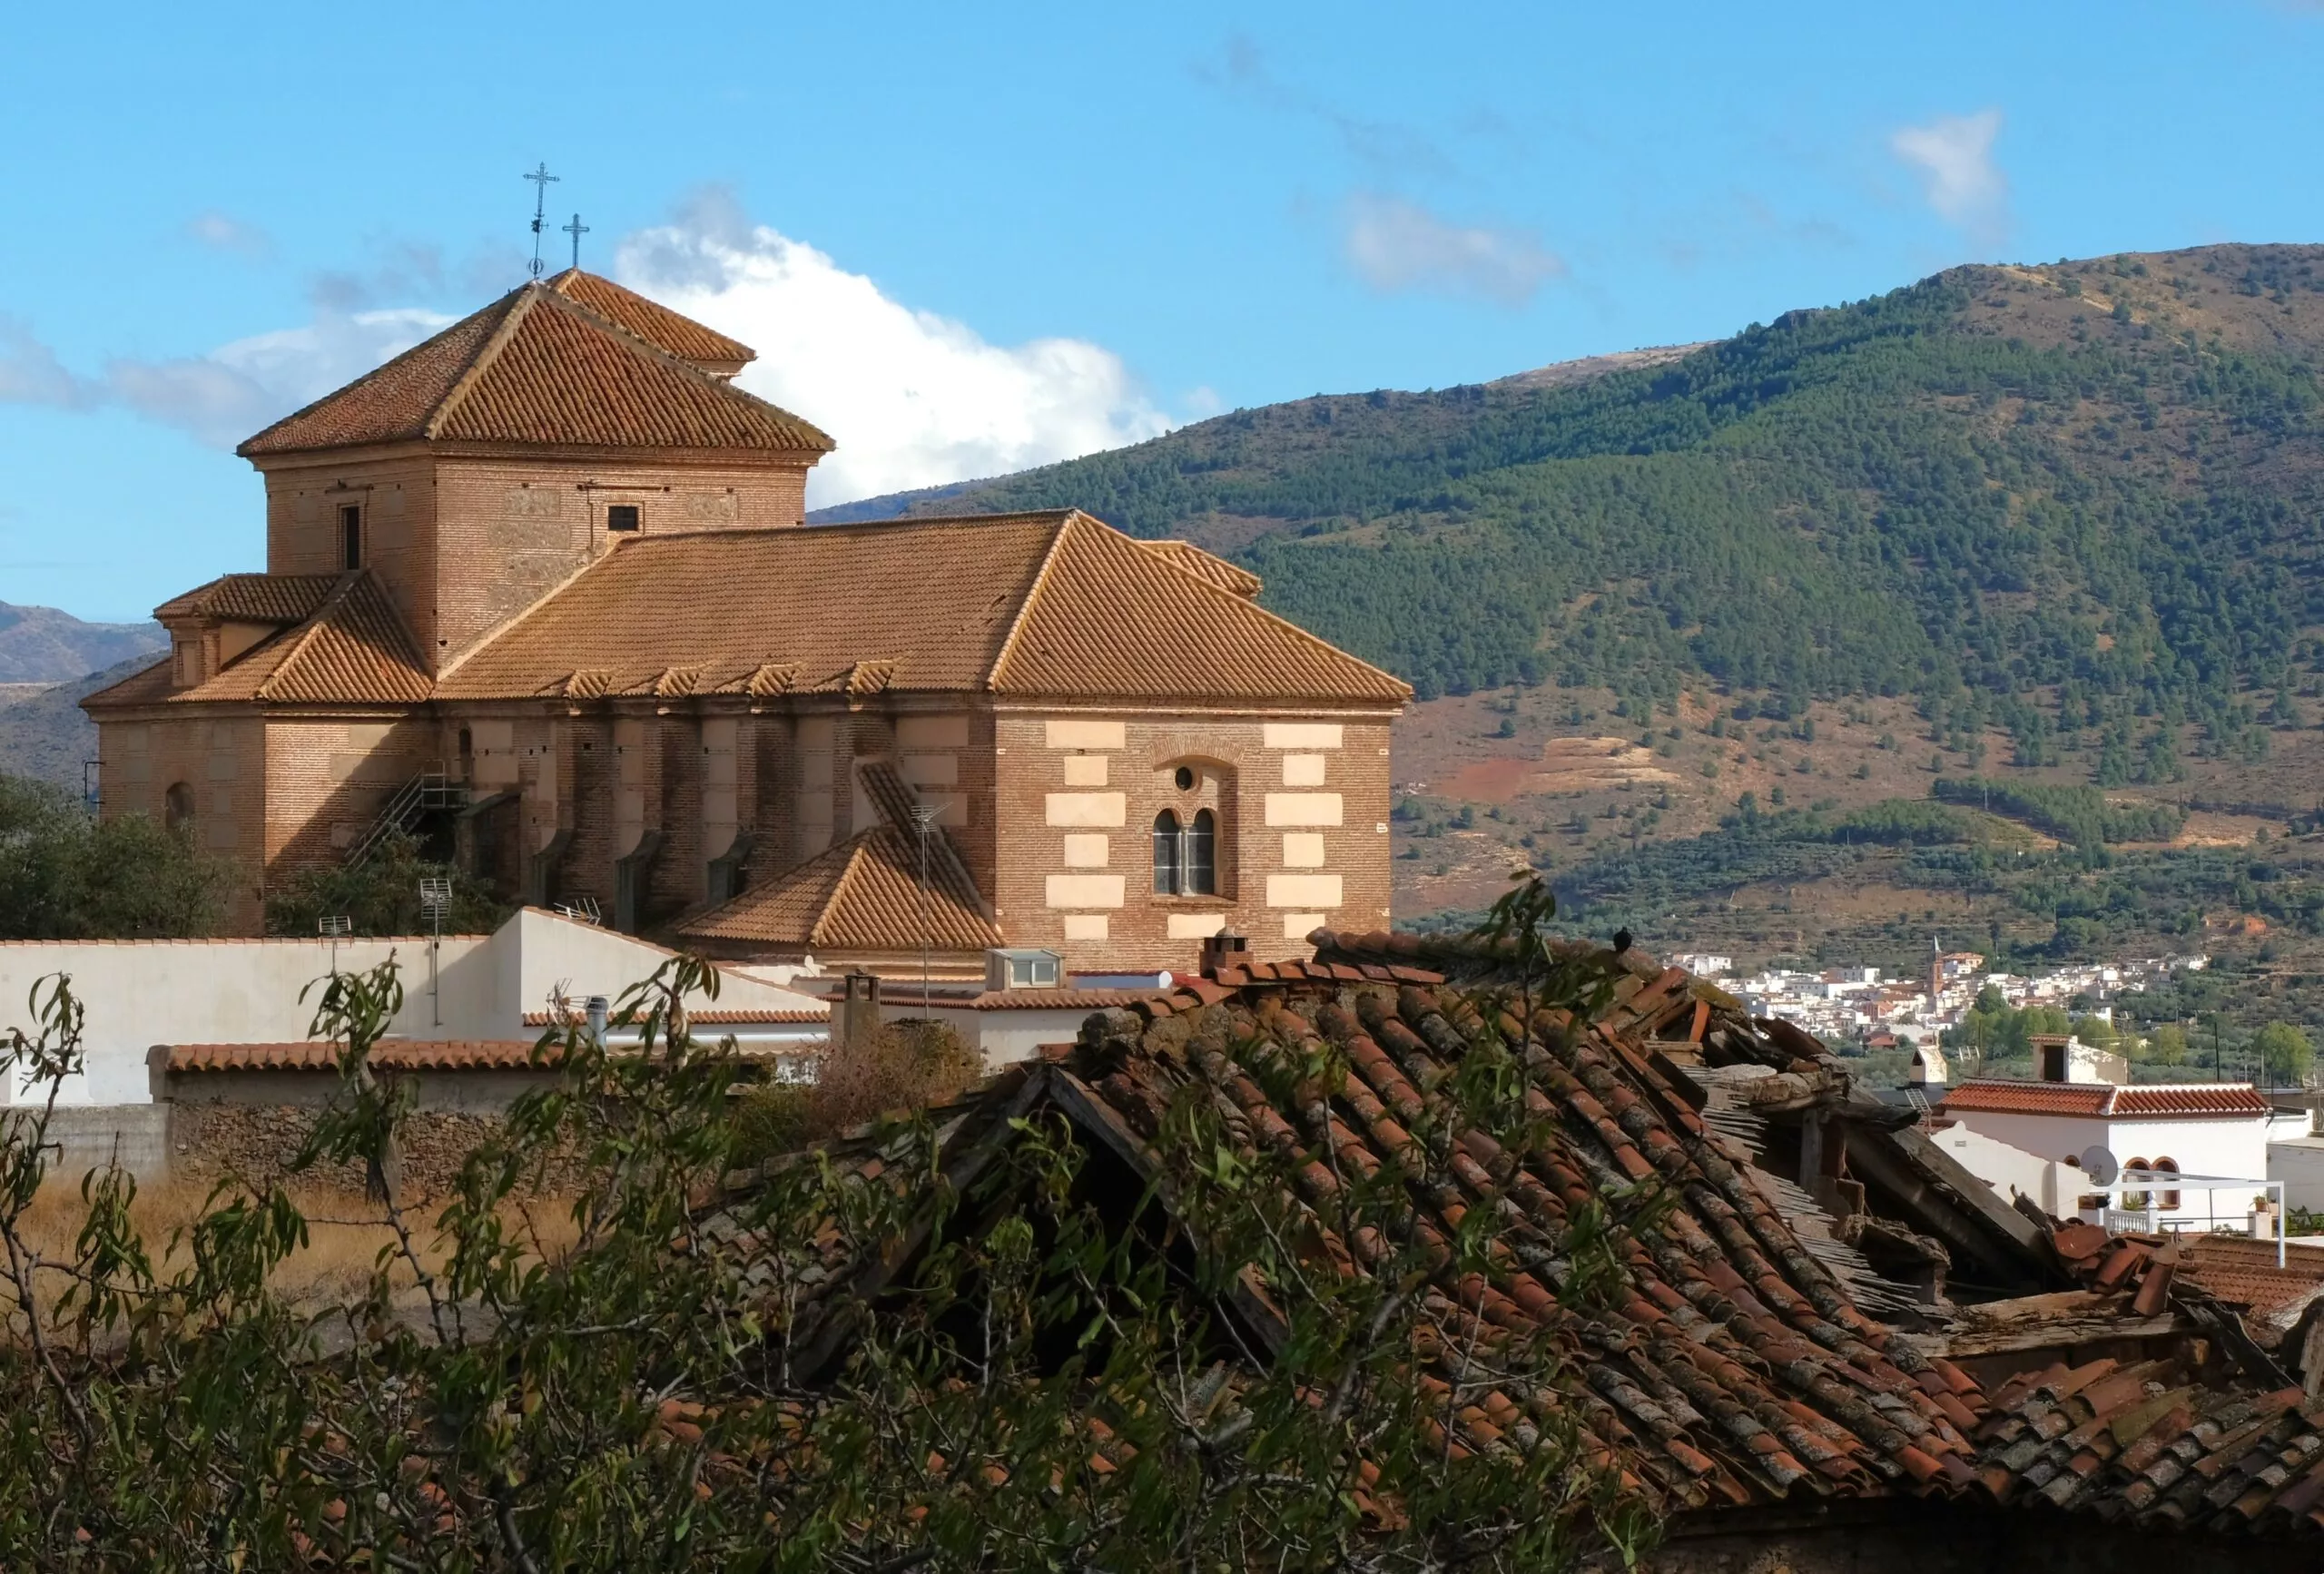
column 1396, row 244
column 230, row 393
column 225, row 395
column 1954, row 157
column 225, row 232
column 30, row 373
column 913, row 398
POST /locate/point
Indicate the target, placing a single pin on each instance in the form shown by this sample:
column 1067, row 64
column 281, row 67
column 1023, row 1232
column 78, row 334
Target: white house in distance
column 480, row 989
column 2028, row 1137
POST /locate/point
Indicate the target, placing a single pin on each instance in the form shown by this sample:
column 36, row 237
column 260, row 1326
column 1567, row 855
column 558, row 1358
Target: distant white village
column 1857, row 1005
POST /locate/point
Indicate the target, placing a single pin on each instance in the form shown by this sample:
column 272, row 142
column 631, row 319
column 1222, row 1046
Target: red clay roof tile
column 539, row 366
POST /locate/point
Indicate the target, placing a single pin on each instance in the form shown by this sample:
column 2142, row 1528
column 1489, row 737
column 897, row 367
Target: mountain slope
column 2080, row 499
column 39, row 645
column 44, row 732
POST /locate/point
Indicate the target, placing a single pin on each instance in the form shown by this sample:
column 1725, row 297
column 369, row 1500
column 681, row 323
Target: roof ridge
column 1315, row 640
column 487, row 353
column 377, row 372
column 307, row 632
column 1032, row 594
column 638, row 344
column 856, row 846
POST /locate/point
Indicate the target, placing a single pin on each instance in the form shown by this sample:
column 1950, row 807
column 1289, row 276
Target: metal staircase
column 430, row 792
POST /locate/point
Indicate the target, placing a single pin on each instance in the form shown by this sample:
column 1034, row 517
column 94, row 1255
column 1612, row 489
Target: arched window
column 177, row 808
column 1166, row 853
column 1201, row 861
column 2168, row 1166
column 2135, row 1199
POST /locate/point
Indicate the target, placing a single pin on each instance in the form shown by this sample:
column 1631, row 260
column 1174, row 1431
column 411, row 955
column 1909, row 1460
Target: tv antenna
column 576, row 230
column 541, row 180
column 435, row 896
column 334, row 927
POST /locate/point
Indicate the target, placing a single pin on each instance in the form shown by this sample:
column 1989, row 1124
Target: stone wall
column 256, row 1142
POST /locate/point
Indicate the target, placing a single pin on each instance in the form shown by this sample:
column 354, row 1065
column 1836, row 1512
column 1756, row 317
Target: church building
column 543, row 588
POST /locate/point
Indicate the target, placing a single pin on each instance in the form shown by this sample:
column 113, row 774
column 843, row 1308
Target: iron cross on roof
column 541, row 178
column 576, row 230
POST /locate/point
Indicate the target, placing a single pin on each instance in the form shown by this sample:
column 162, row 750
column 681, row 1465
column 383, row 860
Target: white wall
column 2011, row 1171
column 140, row 993
column 1003, row 1037
column 2236, row 1147
column 2299, row 1165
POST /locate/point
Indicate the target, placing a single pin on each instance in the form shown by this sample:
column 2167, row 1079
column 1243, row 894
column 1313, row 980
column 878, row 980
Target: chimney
column 858, row 1017
column 1224, row 949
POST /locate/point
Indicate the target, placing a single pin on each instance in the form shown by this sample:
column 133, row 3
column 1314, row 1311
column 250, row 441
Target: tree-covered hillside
column 2083, row 503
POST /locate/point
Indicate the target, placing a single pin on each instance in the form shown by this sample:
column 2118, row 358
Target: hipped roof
column 1053, row 604
column 351, row 649
column 544, row 366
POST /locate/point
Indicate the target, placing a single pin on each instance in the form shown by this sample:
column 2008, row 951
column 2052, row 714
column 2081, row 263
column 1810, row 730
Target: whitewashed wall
column 141, row 993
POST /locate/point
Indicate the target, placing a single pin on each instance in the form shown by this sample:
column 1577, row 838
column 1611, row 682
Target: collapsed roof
column 1753, row 1358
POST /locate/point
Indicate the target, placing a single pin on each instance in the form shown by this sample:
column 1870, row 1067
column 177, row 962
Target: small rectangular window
column 621, row 516
column 350, row 535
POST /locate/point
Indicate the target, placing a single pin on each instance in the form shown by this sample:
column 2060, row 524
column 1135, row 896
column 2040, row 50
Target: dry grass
column 905, row 1066
column 345, row 1235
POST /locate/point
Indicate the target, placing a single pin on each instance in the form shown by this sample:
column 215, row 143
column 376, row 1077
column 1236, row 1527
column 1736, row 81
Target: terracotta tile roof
column 353, row 650
column 1101, row 623
column 2105, row 1101
column 1733, row 1369
column 1062, row 999
column 862, row 895
column 251, row 598
column 393, row 1053
column 538, row 367
column 650, row 321
column 721, row 1017
column 1024, row 603
column 1204, row 566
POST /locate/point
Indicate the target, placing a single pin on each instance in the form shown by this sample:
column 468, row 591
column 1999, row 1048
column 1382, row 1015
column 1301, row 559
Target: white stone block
column 1087, row 808
column 1087, row 926
column 1302, row 769
column 1196, row 926
column 1085, row 890
column 1080, row 732
column 1088, row 850
column 1303, row 848
column 1298, row 926
column 1303, row 890
column 1301, row 734
column 1300, row 808
column 1085, row 770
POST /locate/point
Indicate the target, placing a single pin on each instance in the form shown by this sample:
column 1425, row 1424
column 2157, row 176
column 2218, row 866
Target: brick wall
column 1301, row 808
column 217, row 763
column 327, row 780
column 510, row 530
column 464, row 543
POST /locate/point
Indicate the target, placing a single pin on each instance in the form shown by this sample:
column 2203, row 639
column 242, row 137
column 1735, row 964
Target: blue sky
column 967, row 239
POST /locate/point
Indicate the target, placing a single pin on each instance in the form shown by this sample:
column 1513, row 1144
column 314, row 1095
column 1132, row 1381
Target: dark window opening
column 177, row 808
column 621, row 516
column 1166, row 853
column 1201, row 859
column 350, row 535
column 1186, row 778
column 2168, row 1166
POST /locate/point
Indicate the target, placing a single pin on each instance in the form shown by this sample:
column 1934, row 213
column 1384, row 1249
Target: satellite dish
column 2101, row 1165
